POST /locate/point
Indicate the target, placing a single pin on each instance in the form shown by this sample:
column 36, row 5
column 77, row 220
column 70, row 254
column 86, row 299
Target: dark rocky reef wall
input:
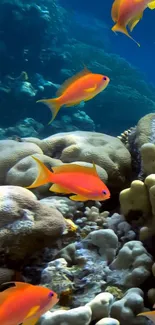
column 41, row 46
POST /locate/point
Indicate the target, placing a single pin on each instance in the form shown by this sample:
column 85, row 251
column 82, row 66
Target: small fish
column 71, row 178
column 149, row 314
column 128, row 13
column 24, row 303
column 81, row 87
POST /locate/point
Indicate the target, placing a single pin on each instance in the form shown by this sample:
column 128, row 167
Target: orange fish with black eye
column 81, row 87
column 24, row 303
column 71, row 178
column 128, row 13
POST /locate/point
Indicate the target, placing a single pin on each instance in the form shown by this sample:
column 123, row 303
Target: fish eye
column 104, row 192
column 104, row 78
column 51, row 294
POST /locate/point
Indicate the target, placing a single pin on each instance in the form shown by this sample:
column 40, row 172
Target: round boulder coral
column 26, row 225
column 148, row 158
column 145, row 130
column 12, row 152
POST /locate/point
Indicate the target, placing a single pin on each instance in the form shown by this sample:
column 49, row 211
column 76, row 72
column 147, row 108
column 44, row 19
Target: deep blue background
column 144, row 33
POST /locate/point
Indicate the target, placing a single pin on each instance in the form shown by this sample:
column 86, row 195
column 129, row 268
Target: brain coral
column 26, row 225
column 25, row 171
column 106, row 151
column 12, row 152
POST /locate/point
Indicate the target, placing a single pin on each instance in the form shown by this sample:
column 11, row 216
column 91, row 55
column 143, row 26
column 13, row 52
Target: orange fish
column 128, row 13
column 149, row 314
column 24, row 303
column 81, row 87
column 71, row 178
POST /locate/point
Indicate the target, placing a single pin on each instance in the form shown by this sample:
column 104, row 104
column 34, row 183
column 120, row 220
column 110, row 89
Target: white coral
column 132, row 264
column 106, row 240
column 76, row 316
column 126, row 309
column 100, row 305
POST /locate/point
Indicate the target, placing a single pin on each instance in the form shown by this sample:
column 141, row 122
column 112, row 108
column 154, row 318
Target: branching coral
column 137, row 202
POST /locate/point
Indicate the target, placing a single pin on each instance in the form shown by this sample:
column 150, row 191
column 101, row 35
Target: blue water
column 51, row 41
column 143, row 57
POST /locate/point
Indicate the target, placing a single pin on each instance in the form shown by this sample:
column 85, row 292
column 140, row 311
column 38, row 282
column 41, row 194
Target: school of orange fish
column 24, row 303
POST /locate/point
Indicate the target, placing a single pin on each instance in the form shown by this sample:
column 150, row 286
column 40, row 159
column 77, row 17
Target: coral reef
column 94, row 264
column 31, row 128
column 86, row 252
column 126, row 309
column 104, row 309
column 100, row 263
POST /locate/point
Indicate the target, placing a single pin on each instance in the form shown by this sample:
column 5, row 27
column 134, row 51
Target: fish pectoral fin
column 134, row 21
column 11, row 289
column 151, row 5
column 30, row 321
column 32, row 311
column 83, row 189
column 59, row 189
column 90, row 90
column 78, row 198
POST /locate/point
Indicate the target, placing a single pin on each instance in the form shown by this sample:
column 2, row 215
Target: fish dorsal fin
column 115, row 10
column 134, row 21
column 71, row 168
column 11, row 290
column 72, row 79
column 18, row 285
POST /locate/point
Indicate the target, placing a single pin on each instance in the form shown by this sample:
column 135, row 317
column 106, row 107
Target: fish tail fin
column 44, row 175
column 122, row 29
column 53, row 104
